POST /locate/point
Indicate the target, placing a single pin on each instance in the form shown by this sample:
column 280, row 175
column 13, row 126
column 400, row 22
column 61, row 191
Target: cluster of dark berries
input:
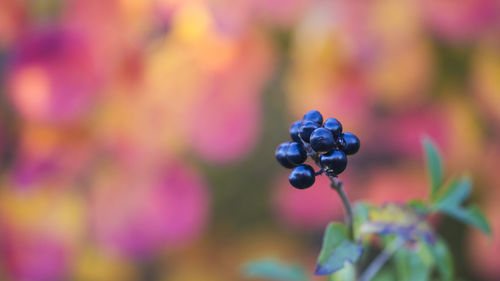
column 323, row 142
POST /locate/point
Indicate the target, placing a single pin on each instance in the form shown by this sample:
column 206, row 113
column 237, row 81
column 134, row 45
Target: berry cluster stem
column 339, row 187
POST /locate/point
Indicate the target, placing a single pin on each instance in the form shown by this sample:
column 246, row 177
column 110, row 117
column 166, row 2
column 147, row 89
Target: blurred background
column 137, row 137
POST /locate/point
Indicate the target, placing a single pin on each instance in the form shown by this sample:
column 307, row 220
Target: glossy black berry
column 322, row 140
column 306, row 130
column 296, row 153
column 294, row 131
column 350, row 143
column 280, row 154
column 314, row 116
column 334, row 126
column 302, row 177
column 335, row 161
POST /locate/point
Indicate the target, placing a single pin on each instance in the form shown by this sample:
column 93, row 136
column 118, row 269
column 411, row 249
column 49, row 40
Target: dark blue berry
column 280, row 154
column 296, row 153
column 322, row 140
column 294, row 131
column 314, row 116
column 339, row 142
column 335, row 161
column 306, row 129
column 302, row 176
column 350, row 143
column 334, row 126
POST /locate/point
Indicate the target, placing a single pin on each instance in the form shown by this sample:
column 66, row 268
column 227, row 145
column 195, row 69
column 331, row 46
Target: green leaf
column 361, row 215
column 384, row 275
column 336, row 250
column 451, row 202
column 455, row 195
column 413, row 264
column 471, row 215
column 442, row 259
column 434, row 165
column 419, row 206
column 274, row 270
column 348, row 273
column 477, row 218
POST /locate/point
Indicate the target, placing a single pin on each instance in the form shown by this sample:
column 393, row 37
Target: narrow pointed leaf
column 471, row 216
column 455, row 195
column 434, row 165
column 451, row 202
column 477, row 218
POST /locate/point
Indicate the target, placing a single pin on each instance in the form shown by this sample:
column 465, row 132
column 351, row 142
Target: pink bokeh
column 138, row 216
column 402, row 133
column 312, row 208
column 461, row 20
column 394, row 185
column 33, row 257
column 225, row 119
column 52, row 77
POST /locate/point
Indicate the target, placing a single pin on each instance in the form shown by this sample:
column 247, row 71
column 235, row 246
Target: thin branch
column 381, row 259
column 349, row 217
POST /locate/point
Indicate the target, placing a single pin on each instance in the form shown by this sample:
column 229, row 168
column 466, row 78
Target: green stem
column 380, row 260
column 338, row 186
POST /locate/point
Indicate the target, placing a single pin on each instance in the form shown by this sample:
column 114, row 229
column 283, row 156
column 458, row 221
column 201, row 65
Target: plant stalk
column 338, row 186
column 380, row 260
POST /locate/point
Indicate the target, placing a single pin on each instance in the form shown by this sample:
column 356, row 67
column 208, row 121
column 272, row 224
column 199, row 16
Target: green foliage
column 413, row 264
column 434, row 166
column 348, row 273
column 456, row 194
column 361, row 216
column 443, row 259
column 336, row 250
column 421, row 255
column 471, row 215
column 274, row 270
column 418, row 206
column 384, row 275
column 450, row 203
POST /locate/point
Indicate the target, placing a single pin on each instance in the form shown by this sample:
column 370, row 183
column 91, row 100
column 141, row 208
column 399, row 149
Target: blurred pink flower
column 325, row 73
column 461, row 20
column 35, row 258
column 402, row 133
column 136, row 214
column 52, row 77
column 281, row 12
column 222, row 128
column 312, row 208
column 225, row 118
column 237, row 17
column 395, row 185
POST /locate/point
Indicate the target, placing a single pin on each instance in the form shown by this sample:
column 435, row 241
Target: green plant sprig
column 405, row 235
